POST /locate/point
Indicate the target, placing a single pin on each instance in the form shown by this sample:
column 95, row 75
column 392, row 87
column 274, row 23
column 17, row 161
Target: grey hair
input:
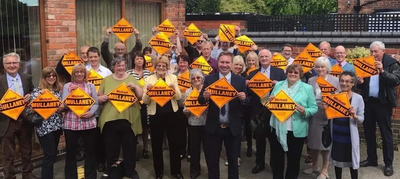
column 323, row 61
column 196, row 71
column 270, row 54
column 12, row 54
column 352, row 75
column 379, row 44
column 117, row 60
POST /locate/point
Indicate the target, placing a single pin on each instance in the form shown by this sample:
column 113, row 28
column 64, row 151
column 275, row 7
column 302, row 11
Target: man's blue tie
column 223, row 111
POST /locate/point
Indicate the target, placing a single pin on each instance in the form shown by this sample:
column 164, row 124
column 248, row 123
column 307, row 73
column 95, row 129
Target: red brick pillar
column 175, row 12
column 60, row 29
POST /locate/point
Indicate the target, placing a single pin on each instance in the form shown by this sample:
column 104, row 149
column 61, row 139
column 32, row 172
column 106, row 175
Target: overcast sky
column 30, row 2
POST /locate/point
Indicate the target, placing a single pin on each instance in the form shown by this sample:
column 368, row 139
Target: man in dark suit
column 380, row 97
column 274, row 74
column 225, row 124
column 20, row 128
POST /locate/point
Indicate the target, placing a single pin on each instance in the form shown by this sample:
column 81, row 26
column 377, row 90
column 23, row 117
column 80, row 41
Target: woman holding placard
column 163, row 117
column 48, row 130
column 196, row 124
column 120, row 123
column 83, row 126
column 345, row 148
column 287, row 137
column 252, row 62
column 318, row 120
column 139, row 71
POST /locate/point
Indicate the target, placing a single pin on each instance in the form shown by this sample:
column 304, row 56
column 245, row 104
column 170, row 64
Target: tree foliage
column 198, row 6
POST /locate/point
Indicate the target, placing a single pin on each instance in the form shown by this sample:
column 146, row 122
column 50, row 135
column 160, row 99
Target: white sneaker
column 310, row 171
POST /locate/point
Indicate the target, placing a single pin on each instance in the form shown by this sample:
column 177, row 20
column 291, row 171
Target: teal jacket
column 304, row 96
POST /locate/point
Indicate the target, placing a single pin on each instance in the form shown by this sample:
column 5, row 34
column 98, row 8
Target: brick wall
column 175, row 12
column 370, row 8
column 214, row 24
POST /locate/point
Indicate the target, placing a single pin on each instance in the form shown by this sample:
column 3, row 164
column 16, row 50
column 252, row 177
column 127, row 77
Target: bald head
column 120, row 48
column 83, row 52
column 340, row 53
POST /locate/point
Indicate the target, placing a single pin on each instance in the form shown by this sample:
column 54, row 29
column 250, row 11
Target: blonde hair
column 162, row 59
column 238, row 59
column 79, row 66
column 252, row 55
column 43, row 83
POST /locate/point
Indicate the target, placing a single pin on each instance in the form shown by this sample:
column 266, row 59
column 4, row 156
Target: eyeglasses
column 13, row 63
column 295, row 72
column 346, row 81
column 50, row 75
column 196, row 78
column 161, row 66
column 200, row 41
column 340, row 53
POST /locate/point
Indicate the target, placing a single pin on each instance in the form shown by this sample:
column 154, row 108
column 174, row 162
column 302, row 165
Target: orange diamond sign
column 122, row 97
column 46, row 104
column 282, row 106
column 161, row 93
column 260, row 84
column 70, row 60
column 325, row 86
column 338, row 105
column 160, row 43
column 149, row 64
column 305, row 60
column 184, row 81
column 244, row 43
column 202, row 64
column 193, row 105
column 167, row 28
column 79, row 101
column 365, row 67
column 192, row 33
column 313, row 51
column 279, row 61
column 221, row 92
column 250, row 70
column 95, row 79
column 336, row 70
column 123, row 29
column 12, row 104
column 226, row 33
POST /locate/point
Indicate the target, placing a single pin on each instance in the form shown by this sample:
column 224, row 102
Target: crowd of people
column 103, row 132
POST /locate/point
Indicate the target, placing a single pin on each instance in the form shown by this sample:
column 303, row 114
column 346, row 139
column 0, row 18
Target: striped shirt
column 146, row 73
column 71, row 120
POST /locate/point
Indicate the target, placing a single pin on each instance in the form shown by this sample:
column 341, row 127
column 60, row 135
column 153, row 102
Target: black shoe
column 194, row 176
column 366, row 163
column 101, row 167
column 388, row 171
column 188, row 158
column 249, row 152
column 146, row 154
column 159, row 177
column 257, row 169
column 177, row 176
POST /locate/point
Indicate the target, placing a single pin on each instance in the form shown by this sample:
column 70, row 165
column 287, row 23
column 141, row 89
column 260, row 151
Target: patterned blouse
column 54, row 122
column 146, row 73
column 192, row 119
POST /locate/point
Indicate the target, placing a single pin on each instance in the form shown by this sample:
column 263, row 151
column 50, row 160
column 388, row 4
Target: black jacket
column 388, row 81
column 108, row 56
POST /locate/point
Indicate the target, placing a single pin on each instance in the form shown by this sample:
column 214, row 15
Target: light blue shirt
column 224, row 118
column 10, row 83
column 268, row 71
column 374, row 86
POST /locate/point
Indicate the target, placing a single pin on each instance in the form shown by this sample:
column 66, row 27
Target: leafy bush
column 358, row 52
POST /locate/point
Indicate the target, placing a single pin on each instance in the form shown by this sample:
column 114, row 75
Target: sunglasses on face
column 294, row 72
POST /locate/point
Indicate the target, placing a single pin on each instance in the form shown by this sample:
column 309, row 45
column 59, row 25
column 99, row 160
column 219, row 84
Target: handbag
column 327, row 135
column 257, row 122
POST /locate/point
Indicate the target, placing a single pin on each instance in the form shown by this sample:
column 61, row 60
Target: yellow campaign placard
column 325, row 86
column 365, row 67
column 12, row 104
column 338, row 105
column 192, row 33
column 161, row 93
column 202, row 64
column 221, row 92
column 141, row 82
column 305, row 60
column 313, row 51
column 45, row 104
column 336, row 70
column 79, row 101
column 160, row 43
column 260, row 84
column 282, row 106
column 70, row 60
column 193, row 105
column 226, row 33
column 279, row 61
column 167, row 28
column 123, row 29
column 244, row 43
column 149, row 64
column 122, row 97
column 250, row 70
column 95, row 79
column 184, row 81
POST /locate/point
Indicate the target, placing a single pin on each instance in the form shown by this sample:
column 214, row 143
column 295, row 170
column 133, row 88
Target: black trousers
column 100, row 149
column 89, row 140
column 159, row 124
column 212, row 151
column 119, row 133
column 261, row 145
column 295, row 148
column 196, row 134
column 381, row 114
column 247, row 129
column 184, row 141
column 49, row 145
